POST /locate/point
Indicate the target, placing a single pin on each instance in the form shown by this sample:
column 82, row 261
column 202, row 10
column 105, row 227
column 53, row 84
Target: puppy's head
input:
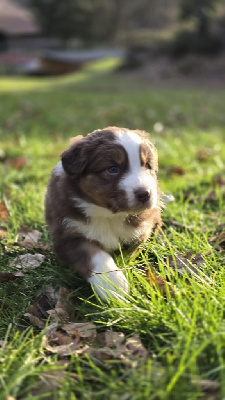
column 115, row 168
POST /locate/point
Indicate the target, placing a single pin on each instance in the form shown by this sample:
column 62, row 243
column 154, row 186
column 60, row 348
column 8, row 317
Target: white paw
column 107, row 280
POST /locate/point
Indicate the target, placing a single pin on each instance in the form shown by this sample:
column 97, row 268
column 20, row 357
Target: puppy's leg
column 106, row 279
column 93, row 264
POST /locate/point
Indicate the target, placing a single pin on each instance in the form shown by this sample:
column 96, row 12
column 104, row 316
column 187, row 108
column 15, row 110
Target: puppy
column 104, row 192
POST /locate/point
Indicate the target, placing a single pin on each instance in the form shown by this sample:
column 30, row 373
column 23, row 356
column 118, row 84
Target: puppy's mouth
column 136, row 208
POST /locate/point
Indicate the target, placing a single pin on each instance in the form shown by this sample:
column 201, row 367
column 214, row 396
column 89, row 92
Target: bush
column 186, row 42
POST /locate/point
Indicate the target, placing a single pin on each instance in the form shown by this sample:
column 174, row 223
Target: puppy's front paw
column 107, row 280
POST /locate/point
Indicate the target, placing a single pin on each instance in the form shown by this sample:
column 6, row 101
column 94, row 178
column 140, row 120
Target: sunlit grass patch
column 181, row 327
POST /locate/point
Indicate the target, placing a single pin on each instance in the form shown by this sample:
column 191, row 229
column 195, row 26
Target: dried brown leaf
column 52, row 294
column 60, row 314
column 158, row 282
column 83, row 330
column 44, row 306
column 10, row 276
column 117, row 350
column 30, row 239
column 27, row 261
column 218, row 239
column 211, row 389
column 114, row 339
column 208, row 385
column 3, row 232
column 62, row 350
column 135, row 347
column 16, row 162
column 203, row 154
column 4, row 212
column 59, row 338
column 35, row 320
column 176, row 171
column 180, row 263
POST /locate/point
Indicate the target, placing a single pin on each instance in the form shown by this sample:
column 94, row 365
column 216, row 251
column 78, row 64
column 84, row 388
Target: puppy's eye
column 148, row 166
column 113, row 170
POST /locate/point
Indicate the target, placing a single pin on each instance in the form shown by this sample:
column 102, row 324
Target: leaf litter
column 64, row 338
column 4, row 212
column 27, row 261
column 30, row 239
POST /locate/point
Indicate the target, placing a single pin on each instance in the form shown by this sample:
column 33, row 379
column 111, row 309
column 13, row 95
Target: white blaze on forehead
column 136, row 177
column 131, row 143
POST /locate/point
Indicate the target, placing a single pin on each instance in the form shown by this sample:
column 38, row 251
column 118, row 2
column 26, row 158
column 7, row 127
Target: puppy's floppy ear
column 74, row 159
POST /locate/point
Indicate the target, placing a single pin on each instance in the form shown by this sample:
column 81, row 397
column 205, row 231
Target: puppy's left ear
column 73, row 159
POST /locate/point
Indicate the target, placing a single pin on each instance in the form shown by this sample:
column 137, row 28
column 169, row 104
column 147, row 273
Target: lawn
column 182, row 327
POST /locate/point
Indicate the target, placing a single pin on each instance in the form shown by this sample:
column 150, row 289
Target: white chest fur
column 105, row 227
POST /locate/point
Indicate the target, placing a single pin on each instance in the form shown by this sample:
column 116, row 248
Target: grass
column 184, row 332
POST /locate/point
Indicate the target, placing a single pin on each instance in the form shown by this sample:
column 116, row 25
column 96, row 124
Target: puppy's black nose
column 142, row 195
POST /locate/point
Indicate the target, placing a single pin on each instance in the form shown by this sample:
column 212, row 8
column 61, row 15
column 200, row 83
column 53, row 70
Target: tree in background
column 87, row 20
column 96, row 20
column 202, row 10
column 202, row 40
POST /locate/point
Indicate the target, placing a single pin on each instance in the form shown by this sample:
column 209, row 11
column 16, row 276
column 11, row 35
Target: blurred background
column 159, row 41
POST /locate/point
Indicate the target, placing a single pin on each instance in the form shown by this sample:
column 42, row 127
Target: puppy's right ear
column 73, row 159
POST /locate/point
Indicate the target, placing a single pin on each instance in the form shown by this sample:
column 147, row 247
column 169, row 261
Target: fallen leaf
column 30, row 239
column 44, row 305
column 35, row 320
column 84, row 330
column 4, row 212
column 16, row 162
column 62, row 350
column 52, row 294
column 210, row 388
column 218, row 239
column 117, row 349
column 176, row 171
column 51, row 328
column 3, row 232
column 161, row 284
column 196, row 259
column 135, row 347
column 60, row 314
column 27, row 261
column 180, row 264
column 203, row 154
column 114, row 339
column 59, row 338
column 10, row 276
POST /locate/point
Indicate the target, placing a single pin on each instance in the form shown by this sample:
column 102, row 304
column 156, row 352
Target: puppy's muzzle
column 142, row 195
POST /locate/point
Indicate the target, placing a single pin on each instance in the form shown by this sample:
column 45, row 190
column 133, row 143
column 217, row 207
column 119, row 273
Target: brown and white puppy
column 104, row 193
